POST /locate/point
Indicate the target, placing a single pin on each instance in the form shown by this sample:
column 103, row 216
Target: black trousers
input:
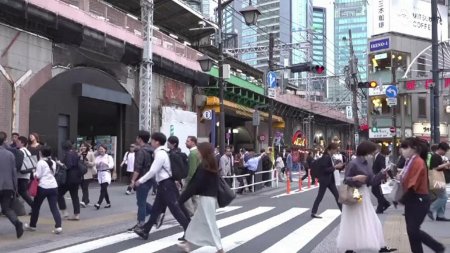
column 51, row 195
column 167, row 196
column 73, row 190
column 249, row 179
column 378, row 193
column 322, row 189
column 416, row 208
column 103, row 194
column 22, row 184
column 85, row 190
column 6, row 198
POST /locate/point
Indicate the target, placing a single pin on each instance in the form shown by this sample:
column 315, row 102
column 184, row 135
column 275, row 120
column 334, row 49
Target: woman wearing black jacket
column 203, row 230
column 325, row 175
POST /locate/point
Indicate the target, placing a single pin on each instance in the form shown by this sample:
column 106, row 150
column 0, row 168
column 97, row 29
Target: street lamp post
column 250, row 16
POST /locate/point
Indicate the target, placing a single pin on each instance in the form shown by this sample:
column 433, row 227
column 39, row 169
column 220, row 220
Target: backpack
column 60, row 174
column 82, row 167
column 178, row 164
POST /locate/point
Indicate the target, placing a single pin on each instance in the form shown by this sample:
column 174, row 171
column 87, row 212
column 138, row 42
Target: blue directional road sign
column 391, row 91
column 271, row 80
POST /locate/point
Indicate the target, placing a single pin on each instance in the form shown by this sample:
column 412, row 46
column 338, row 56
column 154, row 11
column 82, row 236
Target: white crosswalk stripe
column 259, row 222
column 296, row 240
column 235, row 240
column 169, row 241
column 110, row 240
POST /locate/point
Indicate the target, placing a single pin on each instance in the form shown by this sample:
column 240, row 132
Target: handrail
column 273, row 180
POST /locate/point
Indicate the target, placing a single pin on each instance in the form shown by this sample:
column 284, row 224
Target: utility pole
column 145, row 75
column 394, row 109
column 434, row 89
column 353, row 81
column 271, row 47
column 221, row 86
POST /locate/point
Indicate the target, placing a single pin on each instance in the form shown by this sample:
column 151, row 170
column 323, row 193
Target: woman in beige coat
column 89, row 158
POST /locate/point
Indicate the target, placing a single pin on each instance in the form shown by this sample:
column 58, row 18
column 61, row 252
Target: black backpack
column 178, row 164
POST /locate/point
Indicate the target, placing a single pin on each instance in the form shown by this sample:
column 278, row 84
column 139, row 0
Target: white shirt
column 129, row 161
column 193, row 148
column 103, row 171
column 45, row 175
column 160, row 166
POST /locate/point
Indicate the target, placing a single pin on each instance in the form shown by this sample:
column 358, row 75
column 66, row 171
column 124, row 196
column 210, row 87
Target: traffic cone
column 309, row 179
column 300, row 183
column 288, row 185
column 316, row 183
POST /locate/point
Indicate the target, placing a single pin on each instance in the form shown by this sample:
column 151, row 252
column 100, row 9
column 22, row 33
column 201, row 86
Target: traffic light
column 367, row 85
column 307, row 67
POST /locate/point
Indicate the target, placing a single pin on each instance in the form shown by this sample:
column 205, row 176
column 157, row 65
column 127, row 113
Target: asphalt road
column 266, row 221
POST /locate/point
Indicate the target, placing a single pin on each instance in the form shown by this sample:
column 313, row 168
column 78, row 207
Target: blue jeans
column 144, row 208
column 439, row 204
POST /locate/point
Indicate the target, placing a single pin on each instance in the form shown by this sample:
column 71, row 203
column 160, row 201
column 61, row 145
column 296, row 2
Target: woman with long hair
column 104, row 164
column 326, row 168
column 203, row 230
column 88, row 158
column 47, row 189
column 414, row 179
column 34, row 144
column 360, row 229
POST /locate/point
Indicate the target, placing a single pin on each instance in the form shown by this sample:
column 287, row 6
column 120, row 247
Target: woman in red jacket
column 414, row 179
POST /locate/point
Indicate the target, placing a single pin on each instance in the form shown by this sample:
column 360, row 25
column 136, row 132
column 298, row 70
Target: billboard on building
column 411, row 17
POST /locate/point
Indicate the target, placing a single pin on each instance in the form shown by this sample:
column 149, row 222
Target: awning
column 213, row 103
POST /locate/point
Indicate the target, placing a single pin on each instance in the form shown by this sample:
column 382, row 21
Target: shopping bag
column 397, row 191
column 337, row 177
column 437, row 180
column 224, row 195
column 386, row 188
column 33, row 187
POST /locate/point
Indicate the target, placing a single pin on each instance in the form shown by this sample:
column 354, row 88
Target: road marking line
column 171, row 240
column 298, row 239
column 237, row 239
column 110, row 240
column 304, row 189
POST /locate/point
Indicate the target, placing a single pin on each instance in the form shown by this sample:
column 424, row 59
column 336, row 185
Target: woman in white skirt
column 203, row 230
column 104, row 164
column 360, row 229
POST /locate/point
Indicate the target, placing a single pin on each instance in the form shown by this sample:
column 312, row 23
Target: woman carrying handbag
column 416, row 199
column 360, row 229
column 203, row 229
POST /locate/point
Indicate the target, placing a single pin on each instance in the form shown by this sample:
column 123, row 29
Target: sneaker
column 57, row 231
column 76, row 217
column 65, row 214
column 160, row 220
column 108, row 206
column 82, row 204
column 27, row 227
column 128, row 192
column 19, row 229
column 97, row 206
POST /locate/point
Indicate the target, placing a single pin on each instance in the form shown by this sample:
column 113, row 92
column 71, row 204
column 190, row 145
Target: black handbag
column 224, row 195
column 17, row 205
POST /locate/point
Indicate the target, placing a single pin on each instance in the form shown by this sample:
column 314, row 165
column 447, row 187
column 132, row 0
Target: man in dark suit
column 325, row 172
column 379, row 164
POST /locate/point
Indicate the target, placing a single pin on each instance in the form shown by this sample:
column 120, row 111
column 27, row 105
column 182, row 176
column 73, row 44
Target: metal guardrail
column 109, row 13
column 273, row 180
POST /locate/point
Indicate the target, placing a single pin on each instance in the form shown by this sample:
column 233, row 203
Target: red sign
column 174, row 91
column 392, row 129
column 428, row 83
column 411, row 85
column 299, row 140
column 446, row 82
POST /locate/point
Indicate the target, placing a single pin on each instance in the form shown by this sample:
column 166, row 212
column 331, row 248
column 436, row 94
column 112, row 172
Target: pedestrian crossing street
column 264, row 229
